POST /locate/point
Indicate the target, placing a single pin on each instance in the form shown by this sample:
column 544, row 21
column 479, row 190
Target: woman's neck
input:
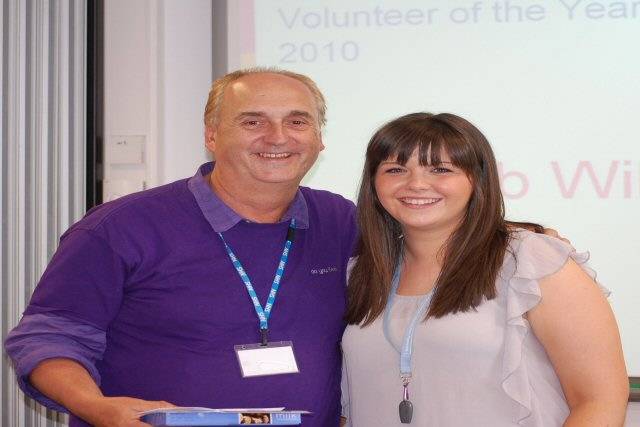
column 424, row 246
column 423, row 257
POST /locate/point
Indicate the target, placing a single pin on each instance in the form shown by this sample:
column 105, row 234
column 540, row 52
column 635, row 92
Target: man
column 146, row 300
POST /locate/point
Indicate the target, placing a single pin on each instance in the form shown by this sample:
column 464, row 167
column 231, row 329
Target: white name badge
column 275, row 358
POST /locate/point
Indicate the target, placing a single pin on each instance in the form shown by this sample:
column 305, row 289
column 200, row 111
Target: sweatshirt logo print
column 324, row 270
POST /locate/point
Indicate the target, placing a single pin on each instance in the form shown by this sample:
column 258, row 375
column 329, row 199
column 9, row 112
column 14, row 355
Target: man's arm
column 54, row 358
column 68, row 383
column 43, row 336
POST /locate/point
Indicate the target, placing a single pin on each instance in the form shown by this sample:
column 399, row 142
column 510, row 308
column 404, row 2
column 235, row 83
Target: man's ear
column 210, row 138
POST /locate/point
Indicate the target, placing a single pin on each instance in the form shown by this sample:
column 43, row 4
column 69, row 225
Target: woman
column 456, row 319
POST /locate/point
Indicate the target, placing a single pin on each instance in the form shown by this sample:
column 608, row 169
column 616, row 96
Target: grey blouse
column 480, row 368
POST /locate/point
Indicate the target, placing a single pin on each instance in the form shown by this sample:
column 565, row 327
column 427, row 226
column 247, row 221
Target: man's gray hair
column 212, row 109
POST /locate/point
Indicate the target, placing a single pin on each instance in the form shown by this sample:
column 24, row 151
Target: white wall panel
column 41, row 162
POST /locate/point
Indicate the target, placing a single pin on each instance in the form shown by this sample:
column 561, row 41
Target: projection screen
column 553, row 84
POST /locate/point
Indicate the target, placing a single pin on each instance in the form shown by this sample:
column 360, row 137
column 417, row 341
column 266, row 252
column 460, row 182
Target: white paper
column 174, row 409
column 267, row 361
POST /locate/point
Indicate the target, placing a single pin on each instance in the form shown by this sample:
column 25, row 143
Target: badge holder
column 271, row 358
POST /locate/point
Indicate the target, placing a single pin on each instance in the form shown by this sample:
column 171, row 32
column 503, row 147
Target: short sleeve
column 532, row 257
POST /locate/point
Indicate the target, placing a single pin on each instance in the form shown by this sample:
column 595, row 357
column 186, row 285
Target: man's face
column 267, row 131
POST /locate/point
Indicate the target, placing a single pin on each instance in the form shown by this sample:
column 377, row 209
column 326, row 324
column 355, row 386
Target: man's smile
column 274, row 155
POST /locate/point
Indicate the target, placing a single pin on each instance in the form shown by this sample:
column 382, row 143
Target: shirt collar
column 221, row 217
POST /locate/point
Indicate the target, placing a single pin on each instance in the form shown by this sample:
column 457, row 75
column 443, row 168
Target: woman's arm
column 345, row 397
column 576, row 326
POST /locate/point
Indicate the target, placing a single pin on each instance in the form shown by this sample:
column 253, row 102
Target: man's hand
column 68, row 383
column 536, row 228
column 121, row 411
column 553, row 233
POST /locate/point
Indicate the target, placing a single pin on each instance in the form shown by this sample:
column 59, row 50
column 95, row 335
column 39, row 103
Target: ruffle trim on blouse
column 536, row 256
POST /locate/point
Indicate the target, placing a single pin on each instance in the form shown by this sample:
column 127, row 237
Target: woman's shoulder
column 534, row 256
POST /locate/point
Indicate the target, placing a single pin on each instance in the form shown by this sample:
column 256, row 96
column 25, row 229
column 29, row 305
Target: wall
column 157, row 76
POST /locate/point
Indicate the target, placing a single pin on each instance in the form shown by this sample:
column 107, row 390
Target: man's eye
column 252, row 121
column 298, row 123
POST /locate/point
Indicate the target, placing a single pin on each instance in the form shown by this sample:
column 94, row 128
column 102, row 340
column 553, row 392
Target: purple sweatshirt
column 142, row 293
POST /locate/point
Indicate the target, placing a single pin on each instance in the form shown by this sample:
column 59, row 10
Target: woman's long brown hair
column 473, row 254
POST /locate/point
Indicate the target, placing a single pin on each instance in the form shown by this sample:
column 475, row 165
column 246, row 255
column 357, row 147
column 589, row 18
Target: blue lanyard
column 406, row 350
column 264, row 314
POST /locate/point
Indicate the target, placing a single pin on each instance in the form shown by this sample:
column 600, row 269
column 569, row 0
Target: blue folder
column 192, row 417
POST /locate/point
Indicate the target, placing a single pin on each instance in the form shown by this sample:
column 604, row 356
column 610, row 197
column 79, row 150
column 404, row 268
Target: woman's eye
column 394, row 170
column 440, row 170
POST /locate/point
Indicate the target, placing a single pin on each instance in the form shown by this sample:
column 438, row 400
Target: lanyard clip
column 264, row 333
column 406, row 379
column 291, row 233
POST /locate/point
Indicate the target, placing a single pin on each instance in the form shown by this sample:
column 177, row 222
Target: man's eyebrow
column 300, row 113
column 292, row 113
column 245, row 114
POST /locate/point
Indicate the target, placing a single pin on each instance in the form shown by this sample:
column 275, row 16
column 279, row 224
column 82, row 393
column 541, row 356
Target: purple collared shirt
column 143, row 295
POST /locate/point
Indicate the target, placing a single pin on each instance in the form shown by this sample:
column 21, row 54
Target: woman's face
column 431, row 198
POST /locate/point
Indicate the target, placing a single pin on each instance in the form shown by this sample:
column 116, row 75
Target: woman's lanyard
column 405, row 408
column 264, row 314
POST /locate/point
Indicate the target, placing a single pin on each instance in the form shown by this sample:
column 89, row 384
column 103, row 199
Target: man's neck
column 263, row 205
